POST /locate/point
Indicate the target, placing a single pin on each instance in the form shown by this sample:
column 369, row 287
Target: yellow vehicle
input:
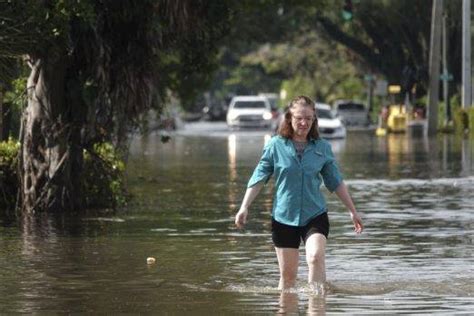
column 392, row 119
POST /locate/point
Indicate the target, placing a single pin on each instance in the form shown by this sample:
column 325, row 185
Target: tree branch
column 354, row 44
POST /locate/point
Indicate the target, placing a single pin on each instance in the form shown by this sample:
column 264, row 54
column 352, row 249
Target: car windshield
column 324, row 114
column 250, row 105
column 351, row 107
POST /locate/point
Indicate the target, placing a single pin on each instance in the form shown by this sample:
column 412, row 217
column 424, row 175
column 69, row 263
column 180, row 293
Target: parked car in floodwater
column 330, row 126
column 352, row 113
column 250, row 111
column 215, row 112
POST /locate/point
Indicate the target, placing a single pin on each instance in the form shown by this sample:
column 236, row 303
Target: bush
column 464, row 120
column 102, row 177
column 8, row 173
column 470, row 118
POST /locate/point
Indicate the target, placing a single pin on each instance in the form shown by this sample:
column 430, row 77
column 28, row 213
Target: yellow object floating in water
column 150, row 260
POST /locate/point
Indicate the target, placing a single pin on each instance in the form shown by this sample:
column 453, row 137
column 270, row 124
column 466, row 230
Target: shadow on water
column 45, row 266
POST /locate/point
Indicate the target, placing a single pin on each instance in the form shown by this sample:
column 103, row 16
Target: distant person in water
column 299, row 160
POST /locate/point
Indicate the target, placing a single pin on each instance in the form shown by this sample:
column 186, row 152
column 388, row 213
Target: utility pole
column 435, row 52
column 466, row 54
column 446, row 76
column 369, row 78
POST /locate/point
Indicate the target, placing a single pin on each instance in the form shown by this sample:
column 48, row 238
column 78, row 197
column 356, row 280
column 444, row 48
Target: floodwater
column 416, row 255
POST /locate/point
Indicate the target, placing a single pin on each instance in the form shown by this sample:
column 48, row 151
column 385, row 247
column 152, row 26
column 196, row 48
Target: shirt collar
column 311, row 140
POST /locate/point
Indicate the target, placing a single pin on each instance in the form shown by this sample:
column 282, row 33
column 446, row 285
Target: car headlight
column 232, row 116
column 267, row 116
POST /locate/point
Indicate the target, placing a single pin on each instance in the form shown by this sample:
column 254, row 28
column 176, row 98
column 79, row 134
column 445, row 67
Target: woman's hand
column 346, row 199
column 241, row 217
column 358, row 226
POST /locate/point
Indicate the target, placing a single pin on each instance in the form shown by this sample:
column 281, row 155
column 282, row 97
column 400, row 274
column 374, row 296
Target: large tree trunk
column 48, row 156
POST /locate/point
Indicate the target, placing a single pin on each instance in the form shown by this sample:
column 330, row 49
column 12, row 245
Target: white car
column 250, row 111
column 330, row 126
column 352, row 113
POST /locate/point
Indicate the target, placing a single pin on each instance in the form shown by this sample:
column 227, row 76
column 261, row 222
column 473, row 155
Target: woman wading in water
column 299, row 160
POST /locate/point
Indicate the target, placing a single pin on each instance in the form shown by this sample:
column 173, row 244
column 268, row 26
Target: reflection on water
column 289, row 304
column 241, row 147
column 232, row 145
column 301, row 299
column 416, row 255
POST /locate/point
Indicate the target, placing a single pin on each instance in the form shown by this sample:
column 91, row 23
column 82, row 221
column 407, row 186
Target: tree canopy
column 383, row 38
column 96, row 67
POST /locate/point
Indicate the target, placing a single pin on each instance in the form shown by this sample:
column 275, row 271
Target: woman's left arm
column 346, row 199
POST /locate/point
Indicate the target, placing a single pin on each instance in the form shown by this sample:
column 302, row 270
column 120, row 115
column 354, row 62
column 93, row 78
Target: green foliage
column 248, row 80
column 102, row 65
column 103, row 177
column 282, row 49
column 124, row 56
column 186, row 63
column 387, row 40
column 470, row 115
column 464, row 120
column 298, row 86
column 15, row 99
column 255, row 28
column 8, row 173
column 33, row 27
column 305, row 64
column 275, row 42
column 17, row 95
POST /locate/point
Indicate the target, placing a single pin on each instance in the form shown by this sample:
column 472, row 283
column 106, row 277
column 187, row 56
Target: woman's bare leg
column 315, row 257
column 288, row 264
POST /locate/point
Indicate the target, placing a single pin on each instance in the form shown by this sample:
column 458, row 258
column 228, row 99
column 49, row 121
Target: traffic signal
column 347, row 10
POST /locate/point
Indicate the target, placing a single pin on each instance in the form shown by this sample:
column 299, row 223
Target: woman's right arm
column 260, row 176
column 250, row 195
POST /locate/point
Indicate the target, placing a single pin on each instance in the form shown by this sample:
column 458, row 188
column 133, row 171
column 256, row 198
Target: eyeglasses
column 301, row 119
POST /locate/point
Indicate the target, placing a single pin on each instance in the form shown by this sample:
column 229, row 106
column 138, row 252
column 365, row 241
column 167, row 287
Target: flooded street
column 415, row 256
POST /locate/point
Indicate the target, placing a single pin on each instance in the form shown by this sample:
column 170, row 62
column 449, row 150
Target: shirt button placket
column 301, row 193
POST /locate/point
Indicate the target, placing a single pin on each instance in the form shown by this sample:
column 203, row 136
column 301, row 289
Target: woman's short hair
column 286, row 129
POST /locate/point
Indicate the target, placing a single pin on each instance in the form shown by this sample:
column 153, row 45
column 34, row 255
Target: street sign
column 369, row 77
column 446, row 76
column 394, row 89
column 381, row 87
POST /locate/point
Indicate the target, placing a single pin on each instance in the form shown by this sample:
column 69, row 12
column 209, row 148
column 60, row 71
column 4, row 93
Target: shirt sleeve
column 264, row 168
column 331, row 176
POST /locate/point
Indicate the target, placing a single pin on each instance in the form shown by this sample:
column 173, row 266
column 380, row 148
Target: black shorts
column 286, row 236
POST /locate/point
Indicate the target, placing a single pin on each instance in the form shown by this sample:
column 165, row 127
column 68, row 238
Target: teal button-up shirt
column 297, row 198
